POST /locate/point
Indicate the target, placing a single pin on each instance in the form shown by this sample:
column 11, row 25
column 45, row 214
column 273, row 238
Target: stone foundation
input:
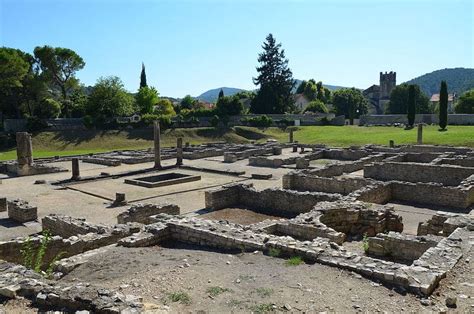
column 21, row 211
column 141, row 212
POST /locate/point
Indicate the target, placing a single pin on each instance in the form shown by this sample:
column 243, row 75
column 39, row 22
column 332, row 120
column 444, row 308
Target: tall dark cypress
column 143, row 77
column 221, row 94
column 275, row 80
column 411, row 105
column 443, row 105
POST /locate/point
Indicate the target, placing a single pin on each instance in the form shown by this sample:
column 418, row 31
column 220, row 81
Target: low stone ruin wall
column 12, row 167
column 460, row 197
column 141, row 212
column 103, row 161
column 457, row 161
column 18, row 281
column 416, row 172
column 21, row 211
column 305, row 182
column 400, row 246
column 66, row 226
column 11, row 250
column 271, row 201
column 416, row 157
column 338, row 169
column 443, row 224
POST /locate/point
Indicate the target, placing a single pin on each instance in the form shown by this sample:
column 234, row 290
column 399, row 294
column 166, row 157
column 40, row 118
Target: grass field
column 65, row 143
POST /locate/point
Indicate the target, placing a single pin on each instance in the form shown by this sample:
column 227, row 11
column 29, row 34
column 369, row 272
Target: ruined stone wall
column 400, row 246
column 141, row 212
column 458, row 161
column 433, row 194
column 270, row 201
column 443, row 224
column 380, row 193
column 66, row 226
column 304, row 182
column 416, row 172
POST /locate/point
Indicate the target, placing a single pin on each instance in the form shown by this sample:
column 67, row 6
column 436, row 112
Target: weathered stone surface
column 141, row 212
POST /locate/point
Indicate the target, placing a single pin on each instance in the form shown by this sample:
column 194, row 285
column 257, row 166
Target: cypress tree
column 443, row 105
column 221, row 94
column 143, row 77
column 275, row 80
column 411, row 105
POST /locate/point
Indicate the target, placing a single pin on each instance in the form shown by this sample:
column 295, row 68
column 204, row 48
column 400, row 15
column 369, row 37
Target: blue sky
column 190, row 46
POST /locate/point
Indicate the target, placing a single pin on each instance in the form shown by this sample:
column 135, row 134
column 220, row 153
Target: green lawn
column 48, row 144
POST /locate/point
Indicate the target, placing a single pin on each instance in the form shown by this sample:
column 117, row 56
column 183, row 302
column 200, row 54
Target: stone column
column 24, row 149
column 419, row 139
column 156, row 128
column 295, row 148
column 76, row 175
column 179, row 151
column 120, row 199
column 291, row 135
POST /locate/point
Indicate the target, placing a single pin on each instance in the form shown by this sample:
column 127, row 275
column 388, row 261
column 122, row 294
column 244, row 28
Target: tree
column 399, row 100
column 316, row 106
column 221, row 94
column 411, row 103
column 188, row 102
column 48, row 108
column 110, row 99
column 229, row 106
column 275, row 80
column 350, row 102
column 143, row 77
column 465, row 103
column 164, row 107
column 146, row 99
column 59, row 66
column 443, row 105
column 15, row 67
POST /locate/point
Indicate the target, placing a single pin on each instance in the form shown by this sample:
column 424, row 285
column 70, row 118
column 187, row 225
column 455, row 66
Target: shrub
column 273, row 252
column 88, row 122
column 48, row 108
column 260, row 121
column 35, row 124
column 149, row 118
column 214, row 121
column 365, row 243
column 316, row 106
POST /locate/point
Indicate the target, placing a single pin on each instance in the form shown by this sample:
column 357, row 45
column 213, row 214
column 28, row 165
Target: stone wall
column 387, row 119
column 416, row 172
column 305, row 182
column 141, row 212
column 66, row 226
column 270, row 201
column 21, row 211
column 443, row 224
column 400, row 246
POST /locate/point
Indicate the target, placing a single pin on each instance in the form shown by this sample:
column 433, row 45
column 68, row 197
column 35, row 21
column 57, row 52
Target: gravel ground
column 183, row 279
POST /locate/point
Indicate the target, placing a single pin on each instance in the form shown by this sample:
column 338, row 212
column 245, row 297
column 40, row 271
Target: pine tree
column 221, row 94
column 443, row 105
column 275, row 80
column 411, row 105
column 143, row 77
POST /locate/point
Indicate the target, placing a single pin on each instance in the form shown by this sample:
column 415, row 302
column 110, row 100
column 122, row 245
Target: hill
column 459, row 80
column 212, row 94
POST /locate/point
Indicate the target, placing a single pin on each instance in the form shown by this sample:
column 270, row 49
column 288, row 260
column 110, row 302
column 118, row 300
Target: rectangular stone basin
column 165, row 179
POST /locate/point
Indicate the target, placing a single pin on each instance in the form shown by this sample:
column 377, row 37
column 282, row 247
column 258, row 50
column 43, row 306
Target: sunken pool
column 163, row 179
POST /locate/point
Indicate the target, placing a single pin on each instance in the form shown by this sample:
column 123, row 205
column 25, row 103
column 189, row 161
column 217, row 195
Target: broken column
column 75, row 169
column 291, row 135
column 156, row 128
column 420, row 134
column 24, row 151
column 295, row 148
column 179, row 151
column 120, row 199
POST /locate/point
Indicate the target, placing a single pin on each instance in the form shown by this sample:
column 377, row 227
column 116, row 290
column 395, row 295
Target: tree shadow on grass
column 77, row 137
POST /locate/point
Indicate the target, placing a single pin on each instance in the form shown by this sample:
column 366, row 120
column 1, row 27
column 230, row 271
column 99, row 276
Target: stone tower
column 388, row 81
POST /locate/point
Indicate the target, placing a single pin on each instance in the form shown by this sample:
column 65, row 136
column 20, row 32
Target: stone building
column 379, row 95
